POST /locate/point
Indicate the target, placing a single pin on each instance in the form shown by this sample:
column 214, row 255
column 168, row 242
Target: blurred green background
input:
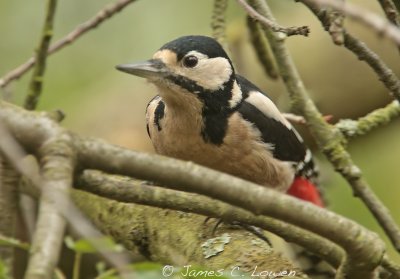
column 102, row 102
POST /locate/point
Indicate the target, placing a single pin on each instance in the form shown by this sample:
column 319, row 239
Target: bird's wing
column 275, row 130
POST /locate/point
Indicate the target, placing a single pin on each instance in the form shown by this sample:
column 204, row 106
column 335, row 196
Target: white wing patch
column 236, row 95
column 267, row 107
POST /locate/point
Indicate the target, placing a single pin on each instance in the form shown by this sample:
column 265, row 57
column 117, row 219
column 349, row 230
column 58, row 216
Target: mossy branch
column 330, row 142
column 135, row 191
column 8, row 204
column 262, row 48
column 36, row 83
column 218, row 23
column 379, row 117
column 31, row 128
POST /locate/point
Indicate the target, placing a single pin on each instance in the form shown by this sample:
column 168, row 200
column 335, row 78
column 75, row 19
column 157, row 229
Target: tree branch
column 376, row 22
column 58, row 166
column 8, row 205
column 187, row 176
column 218, row 24
column 289, row 31
column 35, row 86
column 330, row 142
column 101, row 16
column 262, row 48
column 128, row 190
column 379, row 117
column 361, row 50
column 177, row 238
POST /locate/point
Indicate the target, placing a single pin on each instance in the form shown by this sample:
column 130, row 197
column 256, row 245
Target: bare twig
column 379, row 117
column 218, row 24
column 104, row 14
column 370, row 19
column 35, row 86
column 289, row 31
column 361, row 50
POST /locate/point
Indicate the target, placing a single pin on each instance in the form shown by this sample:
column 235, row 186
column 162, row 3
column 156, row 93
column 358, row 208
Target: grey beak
column 147, row 69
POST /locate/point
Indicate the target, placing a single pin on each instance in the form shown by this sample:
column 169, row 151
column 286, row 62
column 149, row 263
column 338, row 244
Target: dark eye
column 190, row 61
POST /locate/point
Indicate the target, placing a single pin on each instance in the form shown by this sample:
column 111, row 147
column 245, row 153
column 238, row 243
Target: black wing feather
column 286, row 144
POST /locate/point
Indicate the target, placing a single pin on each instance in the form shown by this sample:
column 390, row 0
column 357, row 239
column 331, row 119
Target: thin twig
column 36, row 83
column 370, row 19
column 289, row 31
column 379, row 117
column 361, row 50
column 101, row 16
column 9, row 241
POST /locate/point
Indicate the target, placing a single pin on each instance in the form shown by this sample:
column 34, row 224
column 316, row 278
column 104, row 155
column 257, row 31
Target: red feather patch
column 302, row 188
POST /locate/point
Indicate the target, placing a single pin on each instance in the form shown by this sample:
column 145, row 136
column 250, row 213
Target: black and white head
column 194, row 64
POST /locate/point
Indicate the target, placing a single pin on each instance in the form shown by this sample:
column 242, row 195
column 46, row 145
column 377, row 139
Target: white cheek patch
column 267, row 107
column 210, row 73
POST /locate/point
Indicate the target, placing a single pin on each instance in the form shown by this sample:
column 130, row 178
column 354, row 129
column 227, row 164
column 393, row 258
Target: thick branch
column 134, row 191
column 35, row 87
column 58, row 167
column 178, row 238
column 187, row 176
column 101, row 16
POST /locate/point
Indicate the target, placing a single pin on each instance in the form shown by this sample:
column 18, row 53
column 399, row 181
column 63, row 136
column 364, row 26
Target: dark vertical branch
column 35, row 87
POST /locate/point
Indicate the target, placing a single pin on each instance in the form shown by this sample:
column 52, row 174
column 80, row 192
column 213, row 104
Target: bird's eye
column 190, row 61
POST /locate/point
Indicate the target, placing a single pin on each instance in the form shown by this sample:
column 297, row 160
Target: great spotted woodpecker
column 208, row 114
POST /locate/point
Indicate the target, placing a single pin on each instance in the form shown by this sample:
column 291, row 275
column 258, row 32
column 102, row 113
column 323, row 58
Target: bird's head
column 196, row 64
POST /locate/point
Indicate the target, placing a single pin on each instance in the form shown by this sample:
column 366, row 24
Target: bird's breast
column 241, row 152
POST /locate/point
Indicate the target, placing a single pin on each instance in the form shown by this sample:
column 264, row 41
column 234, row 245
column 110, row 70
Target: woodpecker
column 206, row 113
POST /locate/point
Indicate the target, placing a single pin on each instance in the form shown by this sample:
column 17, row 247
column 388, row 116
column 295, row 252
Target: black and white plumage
column 208, row 114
